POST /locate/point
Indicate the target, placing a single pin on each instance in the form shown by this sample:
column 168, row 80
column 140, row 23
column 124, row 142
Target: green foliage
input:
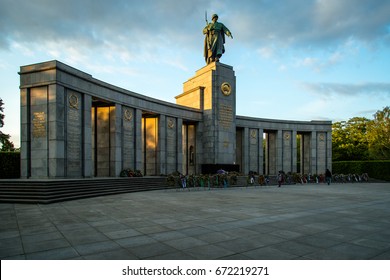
column 378, row 135
column 203, row 180
column 378, row 169
column 130, row 173
column 6, row 145
column 9, row 165
column 361, row 138
column 349, row 141
column 1, row 113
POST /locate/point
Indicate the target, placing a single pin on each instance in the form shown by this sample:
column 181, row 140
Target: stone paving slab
column 314, row 221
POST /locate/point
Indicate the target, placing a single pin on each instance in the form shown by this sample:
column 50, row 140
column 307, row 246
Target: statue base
column 213, row 90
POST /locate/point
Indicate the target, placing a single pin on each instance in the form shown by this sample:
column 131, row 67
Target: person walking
column 328, row 176
column 280, row 179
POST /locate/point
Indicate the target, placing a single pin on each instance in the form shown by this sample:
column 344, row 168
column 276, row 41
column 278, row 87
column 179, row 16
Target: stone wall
column 73, row 125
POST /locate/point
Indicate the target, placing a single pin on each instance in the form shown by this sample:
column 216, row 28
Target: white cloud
column 296, row 22
column 266, row 52
column 282, row 67
column 339, row 89
column 143, row 39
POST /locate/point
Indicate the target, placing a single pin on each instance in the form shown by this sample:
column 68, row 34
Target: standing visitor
column 280, row 179
column 328, row 176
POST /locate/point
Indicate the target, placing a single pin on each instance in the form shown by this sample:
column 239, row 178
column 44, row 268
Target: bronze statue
column 215, row 39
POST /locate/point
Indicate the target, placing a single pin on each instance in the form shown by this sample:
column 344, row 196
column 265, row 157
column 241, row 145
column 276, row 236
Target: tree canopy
column 378, row 135
column 362, row 139
column 6, row 144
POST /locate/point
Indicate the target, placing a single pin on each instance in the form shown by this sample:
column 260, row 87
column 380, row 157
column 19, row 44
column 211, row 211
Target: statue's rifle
column 208, row 31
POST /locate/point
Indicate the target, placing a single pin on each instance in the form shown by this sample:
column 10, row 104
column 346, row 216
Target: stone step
column 49, row 191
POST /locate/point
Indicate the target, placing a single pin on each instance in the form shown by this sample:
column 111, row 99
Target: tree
column 1, row 113
column 378, row 135
column 6, row 145
column 349, row 140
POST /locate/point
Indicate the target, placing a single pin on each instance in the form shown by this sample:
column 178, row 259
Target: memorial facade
column 75, row 126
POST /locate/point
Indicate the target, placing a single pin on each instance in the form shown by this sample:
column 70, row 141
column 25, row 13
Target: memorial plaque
column 171, row 138
column 225, row 115
column 74, row 136
column 128, row 137
column 39, row 124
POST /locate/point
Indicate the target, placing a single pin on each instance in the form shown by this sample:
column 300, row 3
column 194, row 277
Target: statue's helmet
column 214, row 16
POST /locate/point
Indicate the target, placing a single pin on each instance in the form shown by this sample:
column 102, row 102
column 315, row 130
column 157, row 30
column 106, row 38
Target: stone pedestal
column 213, row 90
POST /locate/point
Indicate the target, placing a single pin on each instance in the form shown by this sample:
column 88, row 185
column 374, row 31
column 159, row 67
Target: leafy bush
column 130, row 173
column 378, row 169
column 203, row 180
column 9, row 165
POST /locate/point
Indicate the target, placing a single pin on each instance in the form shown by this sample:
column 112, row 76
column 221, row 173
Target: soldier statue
column 215, row 39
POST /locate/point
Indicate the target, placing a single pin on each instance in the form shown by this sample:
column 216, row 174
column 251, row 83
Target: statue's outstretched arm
column 227, row 32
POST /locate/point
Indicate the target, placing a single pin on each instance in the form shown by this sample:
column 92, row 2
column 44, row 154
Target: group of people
column 281, row 177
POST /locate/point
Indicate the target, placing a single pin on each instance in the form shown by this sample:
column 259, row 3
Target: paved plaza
column 314, row 221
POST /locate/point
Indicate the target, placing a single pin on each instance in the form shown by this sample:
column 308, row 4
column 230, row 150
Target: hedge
column 9, row 165
column 378, row 169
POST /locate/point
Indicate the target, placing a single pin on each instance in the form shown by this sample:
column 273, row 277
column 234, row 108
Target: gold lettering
column 225, row 115
column 39, row 124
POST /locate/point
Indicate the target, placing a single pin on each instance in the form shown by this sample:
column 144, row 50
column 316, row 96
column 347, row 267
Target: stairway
column 50, row 191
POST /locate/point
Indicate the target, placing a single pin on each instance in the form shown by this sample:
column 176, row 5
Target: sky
column 293, row 59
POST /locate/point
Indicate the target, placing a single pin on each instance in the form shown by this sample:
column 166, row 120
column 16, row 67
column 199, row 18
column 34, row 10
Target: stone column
column 279, row 151
column 313, row 153
column 162, row 145
column 25, row 139
column 39, row 130
column 305, row 153
column 115, row 140
column 56, row 123
column 245, row 151
column 287, row 152
column 272, row 154
column 73, row 133
column 139, row 159
column 261, row 151
column 171, row 145
column 87, row 137
column 294, row 151
column 199, row 147
column 253, row 155
column 321, row 153
column 179, row 144
column 128, row 138
column 329, row 150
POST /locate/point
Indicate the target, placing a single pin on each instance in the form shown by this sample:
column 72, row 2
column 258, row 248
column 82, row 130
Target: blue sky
column 293, row 59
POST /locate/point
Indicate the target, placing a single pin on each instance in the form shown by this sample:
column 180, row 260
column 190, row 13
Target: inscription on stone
column 74, row 136
column 73, row 115
column 39, row 124
column 127, row 120
column 171, row 154
column 225, row 115
column 127, row 115
column 226, row 143
column 74, row 101
column 171, row 123
column 171, row 143
column 253, row 133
